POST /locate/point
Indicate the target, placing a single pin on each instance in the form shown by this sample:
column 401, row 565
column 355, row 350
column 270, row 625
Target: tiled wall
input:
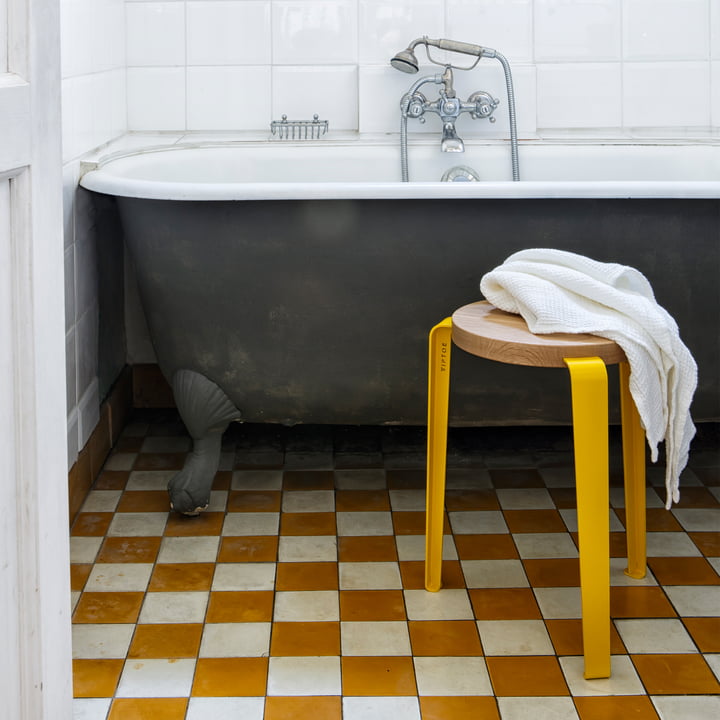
column 602, row 66
column 94, row 112
column 597, row 67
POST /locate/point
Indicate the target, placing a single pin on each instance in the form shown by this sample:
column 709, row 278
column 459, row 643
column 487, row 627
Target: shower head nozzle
column 405, row 61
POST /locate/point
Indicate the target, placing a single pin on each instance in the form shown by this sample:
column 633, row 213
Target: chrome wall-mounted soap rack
column 298, row 129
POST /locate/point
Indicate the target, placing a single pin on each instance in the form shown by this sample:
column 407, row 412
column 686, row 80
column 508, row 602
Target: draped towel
column 558, row 291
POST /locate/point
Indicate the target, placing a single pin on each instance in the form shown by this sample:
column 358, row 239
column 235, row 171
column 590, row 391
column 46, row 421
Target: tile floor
column 298, row 594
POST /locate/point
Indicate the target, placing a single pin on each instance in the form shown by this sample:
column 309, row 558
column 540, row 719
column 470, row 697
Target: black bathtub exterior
column 317, row 311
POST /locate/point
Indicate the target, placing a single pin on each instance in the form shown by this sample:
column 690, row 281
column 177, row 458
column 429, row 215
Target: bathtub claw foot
column 206, row 411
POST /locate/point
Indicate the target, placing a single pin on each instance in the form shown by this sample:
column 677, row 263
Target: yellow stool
column 487, row 332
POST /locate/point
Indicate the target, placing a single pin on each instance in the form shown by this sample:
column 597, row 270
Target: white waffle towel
column 558, row 291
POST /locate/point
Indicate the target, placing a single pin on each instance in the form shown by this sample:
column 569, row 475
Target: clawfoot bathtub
column 297, row 283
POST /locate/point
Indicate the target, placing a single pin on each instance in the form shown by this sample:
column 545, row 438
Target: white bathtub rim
column 152, row 190
column 110, row 183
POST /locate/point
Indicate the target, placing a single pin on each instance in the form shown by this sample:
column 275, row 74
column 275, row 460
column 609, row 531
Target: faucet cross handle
column 485, row 105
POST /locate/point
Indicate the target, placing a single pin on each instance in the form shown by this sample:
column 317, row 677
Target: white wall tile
column 380, row 89
column 715, row 30
column 72, row 437
column 331, row 92
column 715, row 95
column 646, row 102
column 88, row 412
column 86, row 343
column 388, row 27
column 506, row 26
column 228, row 33
column 69, row 287
column 489, row 77
column 577, row 31
column 307, row 32
column 155, row 33
column 579, row 95
column 70, row 369
column 665, row 29
column 156, row 98
column 224, row 98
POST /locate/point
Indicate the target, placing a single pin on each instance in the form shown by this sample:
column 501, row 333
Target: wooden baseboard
column 114, row 413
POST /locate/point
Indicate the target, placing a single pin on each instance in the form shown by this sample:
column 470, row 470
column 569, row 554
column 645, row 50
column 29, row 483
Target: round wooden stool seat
column 483, row 330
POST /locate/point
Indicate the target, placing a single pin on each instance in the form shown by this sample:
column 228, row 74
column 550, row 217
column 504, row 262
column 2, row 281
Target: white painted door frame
column 35, row 651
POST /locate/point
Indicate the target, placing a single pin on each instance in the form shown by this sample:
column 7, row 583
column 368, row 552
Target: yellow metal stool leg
column 633, row 438
column 438, row 390
column 588, row 378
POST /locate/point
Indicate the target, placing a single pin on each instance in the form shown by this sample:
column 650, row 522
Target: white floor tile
column 308, row 549
column 452, row 676
column 695, row 600
column 120, row 461
column 407, row 500
column 304, row 676
column 169, row 444
column 619, row 578
column 84, row 549
column 361, row 479
column 149, row 479
column 558, row 477
column 537, row 708
column 525, row 499
column 351, row 524
column 218, row 501
column 246, row 639
column 670, row 544
column 569, row 516
column 307, row 606
column 467, row 479
column 188, row 549
column 174, row 607
column 494, row 574
column 515, row 637
column 101, row 501
column 412, row 547
column 251, row 523
column 369, row 576
column 545, row 545
column 687, row 707
column 156, row 678
column 644, row 636
column 244, row 576
column 381, row 708
column 90, row 708
column 713, row 660
column 308, row 501
column 257, row 480
column 137, row 524
column 478, row 522
column 698, row 519
column 119, row 577
column 559, row 603
column 442, row 605
column 623, row 680
column 375, row 639
column 652, row 499
column 223, row 708
column 97, row 640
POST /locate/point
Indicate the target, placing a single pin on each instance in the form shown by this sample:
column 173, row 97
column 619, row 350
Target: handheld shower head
column 405, row 61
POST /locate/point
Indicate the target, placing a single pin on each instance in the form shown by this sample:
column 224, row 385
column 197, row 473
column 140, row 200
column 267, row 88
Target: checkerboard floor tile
column 299, row 593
